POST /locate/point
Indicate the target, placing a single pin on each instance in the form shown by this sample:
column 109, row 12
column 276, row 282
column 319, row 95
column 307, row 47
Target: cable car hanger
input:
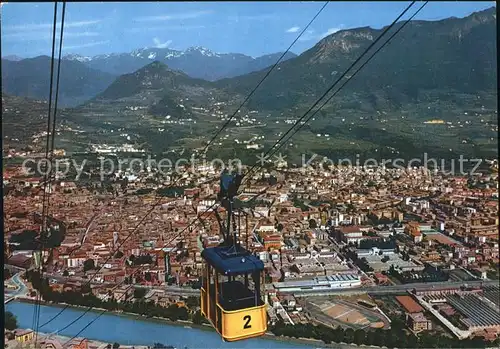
column 233, row 278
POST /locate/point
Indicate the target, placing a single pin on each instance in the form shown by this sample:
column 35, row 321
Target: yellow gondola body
column 231, row 292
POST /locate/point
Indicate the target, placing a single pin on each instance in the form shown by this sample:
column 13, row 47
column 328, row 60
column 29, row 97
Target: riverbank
column 182, row 323
column 128, row 330
column 63, row 339
column 187, row 324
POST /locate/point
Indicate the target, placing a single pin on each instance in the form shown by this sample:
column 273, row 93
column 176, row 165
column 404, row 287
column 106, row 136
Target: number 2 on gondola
column 247, row 320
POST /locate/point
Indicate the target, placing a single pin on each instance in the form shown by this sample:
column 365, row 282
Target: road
column 395, row 288
column 21, row 288
column 167, row 289
column 89, row 225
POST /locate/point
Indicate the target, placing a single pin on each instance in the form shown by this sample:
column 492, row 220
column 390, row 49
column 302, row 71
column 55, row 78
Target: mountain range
column 197, row 62
column 83, row 77
column 453, row 55
column 31, row 78
column 448, row 57
column 431, row 69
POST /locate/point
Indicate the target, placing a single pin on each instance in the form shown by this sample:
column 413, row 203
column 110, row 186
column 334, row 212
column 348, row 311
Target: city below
column 358, row 249
column 250, row 175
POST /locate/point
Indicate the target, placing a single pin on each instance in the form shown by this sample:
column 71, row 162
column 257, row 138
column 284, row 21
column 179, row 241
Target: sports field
column 348, row 314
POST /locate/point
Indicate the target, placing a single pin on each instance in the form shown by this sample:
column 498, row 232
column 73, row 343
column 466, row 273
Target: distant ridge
column 197, row 62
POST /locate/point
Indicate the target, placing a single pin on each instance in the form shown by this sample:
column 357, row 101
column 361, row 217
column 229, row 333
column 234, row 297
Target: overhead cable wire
column 114, row 288
column 265, row 77
column 252, row 167
column 354, row 74
column 58, row 77
column 45, row 200
column 267, row 154
column 198, row 217
column 53, row 134
column 153, row 207
column 227, row 122
column 134, row 230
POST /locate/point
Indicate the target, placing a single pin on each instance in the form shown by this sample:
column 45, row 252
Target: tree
column 116, row 345
column 279, row 227
column 118, row 254
column 313, row 224
column 89, row 264
column 192, row 302
column 10, row 321
column 349, row 335
column 86, row 289
column 198, row 318
column 359, row 336
column 65, row 273
column 142, row 259
column 139, row 293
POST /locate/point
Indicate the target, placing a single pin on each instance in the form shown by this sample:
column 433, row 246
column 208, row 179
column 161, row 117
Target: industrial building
column 478, row 315
column 320, row 283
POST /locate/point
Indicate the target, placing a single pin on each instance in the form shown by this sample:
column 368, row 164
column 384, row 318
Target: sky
column 251, row 28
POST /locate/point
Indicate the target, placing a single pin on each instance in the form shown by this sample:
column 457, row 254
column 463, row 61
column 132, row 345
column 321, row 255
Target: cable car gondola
column 233, row 278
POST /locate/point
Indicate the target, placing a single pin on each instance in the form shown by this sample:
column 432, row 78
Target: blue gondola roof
column 226, row 180
column 231, row 265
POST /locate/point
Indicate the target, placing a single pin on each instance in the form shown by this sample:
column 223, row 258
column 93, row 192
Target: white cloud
column 312, row 35
column 33, row 27
column 159, row 44
column 90, row 44
column 330, row 31
column 175, row 16
column 308, row 35
column 293, row 30
column 81, row 23
column 43, row 31
column 80, row 34
column 37, row 35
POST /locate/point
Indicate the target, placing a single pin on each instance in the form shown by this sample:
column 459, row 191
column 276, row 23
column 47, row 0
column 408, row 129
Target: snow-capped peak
column 155, row 53
column 174, row 54
column 151, row 53
column 107, row 55
column 138, row 53
column 203, row 50
column 76, row 57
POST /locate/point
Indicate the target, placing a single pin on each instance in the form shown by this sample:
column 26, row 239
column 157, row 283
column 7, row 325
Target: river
column 129, row 331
